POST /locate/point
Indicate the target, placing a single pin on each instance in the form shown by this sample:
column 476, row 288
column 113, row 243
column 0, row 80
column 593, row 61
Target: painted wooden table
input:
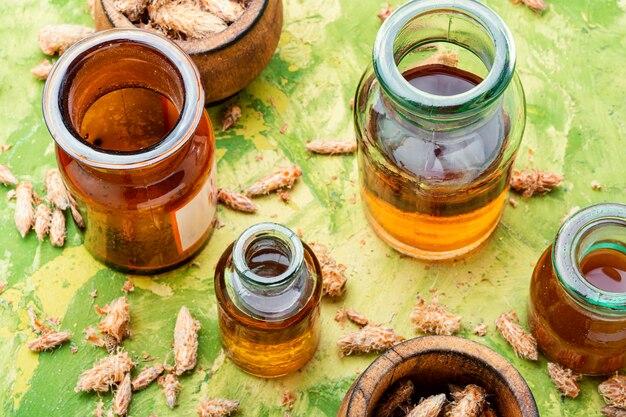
column 571, row 62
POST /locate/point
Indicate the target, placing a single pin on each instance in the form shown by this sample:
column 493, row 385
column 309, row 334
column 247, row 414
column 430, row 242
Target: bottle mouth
column 110, row 60
column 283, row 241
column 600, row 226
column 465, row 23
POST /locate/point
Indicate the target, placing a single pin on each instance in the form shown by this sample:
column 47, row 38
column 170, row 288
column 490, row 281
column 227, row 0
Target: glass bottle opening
column 600, row 230
column 112, row 66
column 465, row 23
column 268, row 254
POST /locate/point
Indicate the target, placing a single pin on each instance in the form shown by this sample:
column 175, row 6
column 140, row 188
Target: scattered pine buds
column 184, row 19
column 564, row 379
column 613, row 390
column 217, row 408
column 236, row 201
column 611, row 411
column 534, row 182
column 42, row 70
column 288, row 400
column 595, row 185
column 92, row 337
column 446, row 57
column 283, row 177
column 105, row 372
column 57, row 228
column 56, row 193
column 116, row 324
column 385, row 11
column 185, row 341
column 537, row 6
column 3, row 286
column 227, row 10
column 43, row 219
column 133, row 9
column 429, row 407
column 357, row 318
column 57, row 38
column 78, row 218
column 24, row 211
column 121, row 400
column 171, row 387
column 434, row 318
column 524, row 344
column 147, row 376
column 468, row 403
column 370, row 338
column 513, row 202
column 333, row 278
column 330, row 147
column 6, row 176
column 400, row 398
column 37, row 325
column 48, row 341
column 232, row 114
column 128, row 287
column 481, row 329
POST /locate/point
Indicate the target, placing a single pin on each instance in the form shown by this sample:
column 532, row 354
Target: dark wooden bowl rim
column 235, row 31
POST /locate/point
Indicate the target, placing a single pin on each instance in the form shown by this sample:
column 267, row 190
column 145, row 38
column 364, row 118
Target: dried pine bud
column 24, row 211
column 56, row 192
column 340, row 317
column 534, row 182
column 283, row 177
column 288, row 399
column 611, row 411
column 105, row 372
column 357, row 318
column 331, row 147
column 128, row 287
column 122, row 396
column 537, row 6
column 434, row 318
column 57, row 38
column 333, row 278
column 42, row 70
column 78, row 218
column 524, row 344
column 48, row 341
column 370, row 338
column 3, row 286
column 564, row 379
column 236, row 201
column 116, row 323
column 233, row 112
column 147, row 376
column 513, row 202
column 480, row 329
column 185, row 341
column 228, row 11
column 385, row 11
column 613, row 390
column 429, row 407
column 447, row 58
column 133, row 9
column 92, row 337
column 6, row 176
column 595, row 185
column 468, row 403
column 57, row 228
column 171, row 387
column 217, row 408
column 37, row 325
column 285, row 196
column 185, row 18
column 400, row 398
column 43, row 219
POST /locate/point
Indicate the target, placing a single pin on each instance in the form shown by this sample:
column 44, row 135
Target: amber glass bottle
column 578, row 292
column 135, row 147
column 268, row 287
column 439, row 117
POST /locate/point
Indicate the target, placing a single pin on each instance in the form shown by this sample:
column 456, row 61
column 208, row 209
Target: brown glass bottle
column 268, row 287
column 135, row 148
column 580, row 322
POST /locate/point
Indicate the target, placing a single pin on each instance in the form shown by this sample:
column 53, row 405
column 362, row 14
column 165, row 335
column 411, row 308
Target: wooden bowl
column 228, row 61
column 431, row 363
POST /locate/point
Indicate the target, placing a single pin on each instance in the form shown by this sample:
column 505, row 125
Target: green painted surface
column 571, row 62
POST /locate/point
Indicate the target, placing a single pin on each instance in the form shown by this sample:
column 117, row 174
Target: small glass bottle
column 577, row 309
column 268, row 285
column 439, row 116
column 135, row 147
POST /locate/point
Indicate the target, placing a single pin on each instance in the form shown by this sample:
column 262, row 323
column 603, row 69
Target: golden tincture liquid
column 605, row 268
column 444, row 196
column 268, row 287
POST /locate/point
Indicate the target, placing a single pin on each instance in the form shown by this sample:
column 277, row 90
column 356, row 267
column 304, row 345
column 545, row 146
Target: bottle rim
column 273, row 231
column 566, row 255
column 501, row 70
column 181, row 133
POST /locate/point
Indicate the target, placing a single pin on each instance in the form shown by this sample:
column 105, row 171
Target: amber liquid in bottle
column 605, row 268
column 269, row 336
column 428, row 208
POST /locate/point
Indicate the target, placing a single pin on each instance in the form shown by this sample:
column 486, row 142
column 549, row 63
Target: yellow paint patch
column 219, row 153
column 151, row 285
column 12, row 295
column 25, row 363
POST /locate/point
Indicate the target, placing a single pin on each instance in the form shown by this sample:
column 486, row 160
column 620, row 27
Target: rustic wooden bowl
column 432, row 362
column 228, row 61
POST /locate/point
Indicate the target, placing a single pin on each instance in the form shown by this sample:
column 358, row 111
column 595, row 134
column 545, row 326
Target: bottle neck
column 472, row 27
column 601, row 226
